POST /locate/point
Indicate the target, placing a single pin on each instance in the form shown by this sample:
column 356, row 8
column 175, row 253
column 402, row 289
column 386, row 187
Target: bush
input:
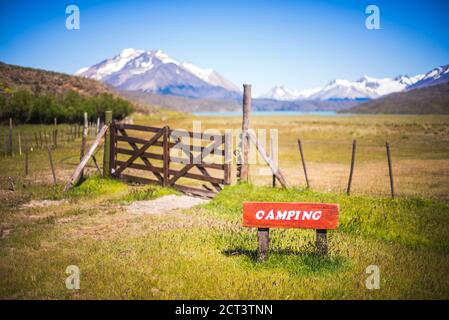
column 25, row 107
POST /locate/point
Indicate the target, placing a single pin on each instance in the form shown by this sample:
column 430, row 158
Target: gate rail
column 167, row 170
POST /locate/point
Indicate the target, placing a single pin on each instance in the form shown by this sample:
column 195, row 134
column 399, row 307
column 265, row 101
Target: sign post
column 263, row 238
column 321, row 241
column 266, row 215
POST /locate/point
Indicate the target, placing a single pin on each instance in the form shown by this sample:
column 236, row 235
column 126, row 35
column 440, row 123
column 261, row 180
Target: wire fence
column 15, row 139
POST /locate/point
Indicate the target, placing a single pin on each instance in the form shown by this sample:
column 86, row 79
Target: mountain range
column 155, row 77
column 156, row 72
column 425, row 100
column 43, row 82
column 366, row 88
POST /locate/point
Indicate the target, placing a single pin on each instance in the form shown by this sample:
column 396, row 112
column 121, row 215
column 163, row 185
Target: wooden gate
column 194, row 163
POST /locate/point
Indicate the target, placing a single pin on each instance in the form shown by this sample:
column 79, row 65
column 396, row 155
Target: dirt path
column 163, row 205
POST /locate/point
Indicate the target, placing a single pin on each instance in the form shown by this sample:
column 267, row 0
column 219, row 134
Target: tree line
column 26, row 107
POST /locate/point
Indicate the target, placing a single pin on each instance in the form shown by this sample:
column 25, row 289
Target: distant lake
column 269, row 113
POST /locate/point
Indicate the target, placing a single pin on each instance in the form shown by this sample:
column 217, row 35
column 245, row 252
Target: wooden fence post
column 273, row 151
column 83, row 142
column 113, row 143
column 107, row 145
column 20, row 145
column 86, row 158
column 263, row 239
column 166, row 157
column 390, row 169
column 45, row 138
column 51, row 165
column 5, row 145
column 228, row 157
column 26, row 159
column 10, row 147
column 40, row 140
column 244, row 173
column 351, row 171
column 303, row 163
column 37, row 140
column 98, row 125
column 276, row 171
column 55, row 134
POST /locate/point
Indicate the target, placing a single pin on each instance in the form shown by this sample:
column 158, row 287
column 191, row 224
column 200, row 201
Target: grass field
column 419, row 144
column 204, row 252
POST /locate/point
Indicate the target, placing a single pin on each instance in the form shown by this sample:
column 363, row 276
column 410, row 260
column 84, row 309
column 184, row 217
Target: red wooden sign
column 290, row 215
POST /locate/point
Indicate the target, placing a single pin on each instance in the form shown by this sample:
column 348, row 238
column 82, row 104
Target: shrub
column 25, row 107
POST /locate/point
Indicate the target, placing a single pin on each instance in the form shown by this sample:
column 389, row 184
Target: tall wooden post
column 10, row 138
column 390, row 169
column 83, row 141
column 263, row 239
column 107, row 146
column 98, row 125
column 303, row 163
column 351, row 171
column 244, row 173
column 26, row 159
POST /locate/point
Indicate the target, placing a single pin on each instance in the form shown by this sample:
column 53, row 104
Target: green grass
column 96, row 186
column 410, row 221
column 205, row 252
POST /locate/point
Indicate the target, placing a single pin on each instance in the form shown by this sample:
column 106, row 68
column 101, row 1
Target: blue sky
column 300, row 44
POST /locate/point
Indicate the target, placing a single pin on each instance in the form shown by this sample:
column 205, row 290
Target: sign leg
column 321, row 241
column 263, row 237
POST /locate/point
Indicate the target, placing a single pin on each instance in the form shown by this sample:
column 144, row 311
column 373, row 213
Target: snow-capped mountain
column 364, row 88
column 156, row 72
column 436, row 76
column 280, row 93
column 340, row 89
column 284, row 94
